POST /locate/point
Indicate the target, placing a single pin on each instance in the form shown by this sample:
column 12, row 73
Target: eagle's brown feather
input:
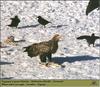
column 43, row 49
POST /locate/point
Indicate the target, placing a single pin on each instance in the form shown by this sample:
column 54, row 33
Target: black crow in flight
column 43, row 21
column 90, row 39
column 15, row 22
column 93, row 4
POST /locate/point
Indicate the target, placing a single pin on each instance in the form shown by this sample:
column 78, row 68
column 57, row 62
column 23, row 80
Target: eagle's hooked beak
column 60, row 38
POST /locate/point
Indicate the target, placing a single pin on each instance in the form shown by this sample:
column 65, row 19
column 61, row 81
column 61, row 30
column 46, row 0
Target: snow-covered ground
column 69, row 20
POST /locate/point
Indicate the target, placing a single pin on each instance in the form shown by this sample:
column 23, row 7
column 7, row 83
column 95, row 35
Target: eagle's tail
column 32, row 51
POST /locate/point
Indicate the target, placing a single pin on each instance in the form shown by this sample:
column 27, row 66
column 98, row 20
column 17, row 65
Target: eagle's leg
column 43, row 58
column 49, row 57
column 50, row 62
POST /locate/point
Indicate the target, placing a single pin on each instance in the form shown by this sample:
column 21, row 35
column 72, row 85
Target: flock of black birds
column 93, row 4
column 47, row 48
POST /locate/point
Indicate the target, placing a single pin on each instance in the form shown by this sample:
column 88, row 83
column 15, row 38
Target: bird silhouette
column 90, row 39
column 43, row 21
column 93, row 4
column 15, row 22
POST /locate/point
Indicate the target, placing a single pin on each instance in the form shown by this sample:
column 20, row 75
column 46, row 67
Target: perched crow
column 93, row 4
column 44, row 49
column 42, row 21
column 15, row 22
column 90, row 39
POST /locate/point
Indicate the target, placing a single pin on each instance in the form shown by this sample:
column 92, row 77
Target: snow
column 69, row 20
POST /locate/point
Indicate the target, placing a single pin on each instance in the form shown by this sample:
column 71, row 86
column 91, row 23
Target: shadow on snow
column 28, row 26
column 7, row 78
column 71, row 59
column 4, row 63
column 97, row 45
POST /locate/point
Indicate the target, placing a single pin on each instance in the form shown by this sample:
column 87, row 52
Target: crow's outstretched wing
column 96, row 37
column 93, row 4
column 83, row 37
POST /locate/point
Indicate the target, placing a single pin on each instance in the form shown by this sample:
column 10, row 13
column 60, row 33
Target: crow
column 90, row 39
column 93, row 4
column 44, row 49
column 15, row 22
column 43, row 21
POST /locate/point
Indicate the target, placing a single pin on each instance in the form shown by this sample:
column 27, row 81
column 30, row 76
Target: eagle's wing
column 83, row 37
column 37, row 48
column 32, row 50
column 29, row 51
column 93, row 4
column 43, row 47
